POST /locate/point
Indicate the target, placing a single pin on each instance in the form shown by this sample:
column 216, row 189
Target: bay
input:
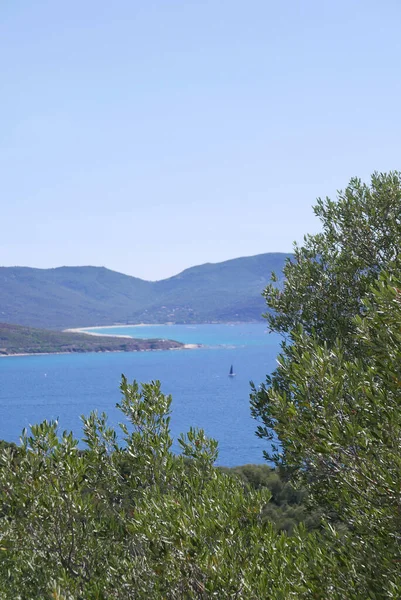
column 65, row 386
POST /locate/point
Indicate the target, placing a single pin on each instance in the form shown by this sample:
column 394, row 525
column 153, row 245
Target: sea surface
column 65, row 386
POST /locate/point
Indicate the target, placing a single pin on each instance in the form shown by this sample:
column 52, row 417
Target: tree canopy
column 331, row 272
column 332, row 407
column 133, row 520
column 329, row 278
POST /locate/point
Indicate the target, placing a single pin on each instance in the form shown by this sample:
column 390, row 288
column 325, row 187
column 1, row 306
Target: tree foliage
column 332, row 407
column 340, row 434
column 332, row 271
column 136, row 521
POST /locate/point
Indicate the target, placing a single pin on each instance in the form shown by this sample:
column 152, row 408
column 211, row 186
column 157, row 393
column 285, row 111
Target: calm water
column 64, row 386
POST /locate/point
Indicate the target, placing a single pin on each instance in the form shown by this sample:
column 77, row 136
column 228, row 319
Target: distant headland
column 19, row 340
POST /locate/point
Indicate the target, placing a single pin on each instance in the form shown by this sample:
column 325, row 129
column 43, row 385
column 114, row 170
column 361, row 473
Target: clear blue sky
column 151, row 135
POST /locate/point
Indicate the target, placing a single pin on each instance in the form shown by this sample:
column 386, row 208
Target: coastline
column 89, row 332
column 183, row 347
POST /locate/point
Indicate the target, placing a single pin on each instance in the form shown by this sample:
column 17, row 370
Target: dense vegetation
column 136, row 521
column 334, row 402
column 15, row 339
column 132, row 520
column 83, row 296
column 288, row 505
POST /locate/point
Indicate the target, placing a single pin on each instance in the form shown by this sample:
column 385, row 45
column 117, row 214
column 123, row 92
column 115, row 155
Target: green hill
column 15, row 339
column 83, row 296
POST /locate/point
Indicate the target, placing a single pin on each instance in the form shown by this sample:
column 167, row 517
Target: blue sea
column 65, row 386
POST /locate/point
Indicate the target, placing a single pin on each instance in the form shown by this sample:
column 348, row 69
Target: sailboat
column 231, row 373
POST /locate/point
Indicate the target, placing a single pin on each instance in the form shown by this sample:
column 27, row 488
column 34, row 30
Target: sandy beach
column 78, row 330
column 87, row 331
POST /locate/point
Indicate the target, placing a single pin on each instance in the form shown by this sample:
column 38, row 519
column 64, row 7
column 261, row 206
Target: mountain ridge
column 65, row 296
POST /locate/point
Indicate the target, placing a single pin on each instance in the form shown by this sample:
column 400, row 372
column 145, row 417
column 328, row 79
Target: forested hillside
column 84, row 296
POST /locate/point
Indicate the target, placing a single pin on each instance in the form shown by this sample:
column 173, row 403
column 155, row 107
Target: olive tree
column 130, row 519
column 332, row 408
